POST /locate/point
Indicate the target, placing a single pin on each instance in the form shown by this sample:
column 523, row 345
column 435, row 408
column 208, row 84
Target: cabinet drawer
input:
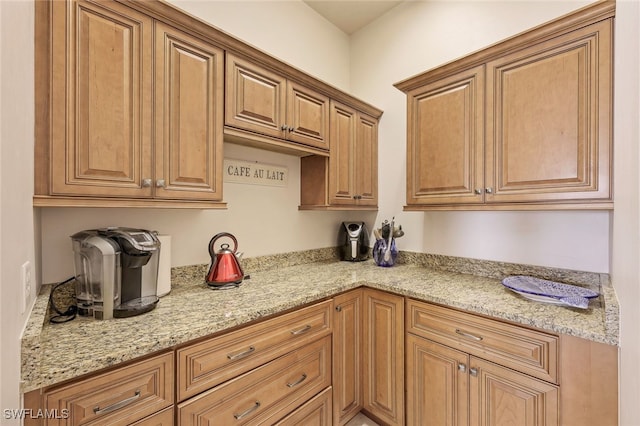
column 317, row 411
column 204, row 365
column 163, row 418
column 525, row 350
column 259, row 395
column 119, row 397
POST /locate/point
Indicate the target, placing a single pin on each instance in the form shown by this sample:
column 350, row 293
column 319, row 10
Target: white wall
column 16, row 177
column 626, row 218
column 416, row 36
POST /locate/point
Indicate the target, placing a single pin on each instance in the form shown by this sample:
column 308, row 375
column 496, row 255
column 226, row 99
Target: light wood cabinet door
column 307, row 116
column 189, row 116
column 347, row 356
column 100, row 109
column 383, row 377
column 445, row 140
column 255, row 98
column 264, row 102
column 437, row 384
column 549, row 119
column 366, row 160
column 353, row 160
column 500, row 396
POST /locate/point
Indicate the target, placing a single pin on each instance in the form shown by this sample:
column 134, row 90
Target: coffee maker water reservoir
column 116, row 271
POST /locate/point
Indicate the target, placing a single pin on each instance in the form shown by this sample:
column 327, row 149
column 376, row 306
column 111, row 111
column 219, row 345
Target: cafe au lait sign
column 254, row 173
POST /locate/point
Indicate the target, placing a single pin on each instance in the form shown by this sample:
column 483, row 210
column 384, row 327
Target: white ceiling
column 351, row 15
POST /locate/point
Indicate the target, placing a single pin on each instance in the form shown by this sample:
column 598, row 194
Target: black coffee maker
column 353, row 241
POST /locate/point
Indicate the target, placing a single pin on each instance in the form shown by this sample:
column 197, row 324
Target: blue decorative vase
column 379, row 249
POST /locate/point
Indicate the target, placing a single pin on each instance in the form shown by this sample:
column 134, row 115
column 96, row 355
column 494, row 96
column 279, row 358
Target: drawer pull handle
column 297, row 382
column 302, row 330
column 468, row 335
column 97, row 410
column 247, row 411
column 241, row 355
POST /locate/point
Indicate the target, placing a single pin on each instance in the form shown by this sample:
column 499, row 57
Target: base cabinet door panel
column 347, row 356
column 383, row 375
column 500, row 396
column 437, row 384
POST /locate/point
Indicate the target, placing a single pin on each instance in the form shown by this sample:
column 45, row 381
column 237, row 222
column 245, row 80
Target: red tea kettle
column 225, row 265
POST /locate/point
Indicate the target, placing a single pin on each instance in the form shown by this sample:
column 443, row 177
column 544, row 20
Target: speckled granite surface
column 54, row 353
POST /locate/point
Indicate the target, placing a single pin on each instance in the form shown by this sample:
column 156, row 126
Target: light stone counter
column 54, row 353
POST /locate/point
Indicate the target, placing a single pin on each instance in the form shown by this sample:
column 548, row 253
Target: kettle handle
column 220, row 235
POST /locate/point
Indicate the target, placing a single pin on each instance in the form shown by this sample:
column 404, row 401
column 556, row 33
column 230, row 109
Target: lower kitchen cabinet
column 265, row 394
column 316, row 412
column 449, row 387
column 383, row 349
column 347, row 356
column 127, row 395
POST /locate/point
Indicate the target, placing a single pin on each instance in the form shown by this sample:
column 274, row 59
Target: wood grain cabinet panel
column 100, row 109
column 262, row 101
column 315, row 412
column 118, row 397
column 529, row 351
column 445, row 140
column 348, row 179
column 383, row 376
column 189, row 116
column 212, row 361
column 265, row 394
column 523, row 124
column 347, row 356
column 549, row 122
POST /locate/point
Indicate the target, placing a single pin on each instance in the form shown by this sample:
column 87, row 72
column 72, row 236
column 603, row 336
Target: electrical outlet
column 27, row 285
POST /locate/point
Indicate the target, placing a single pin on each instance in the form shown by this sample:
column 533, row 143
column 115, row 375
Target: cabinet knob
column 473, row 372
column 146, row 183
column 462, row 368
column 160, row 183
column 338, row 308
column 291, row 129
column 488, row 190
column 478, row 191
column 284, row 127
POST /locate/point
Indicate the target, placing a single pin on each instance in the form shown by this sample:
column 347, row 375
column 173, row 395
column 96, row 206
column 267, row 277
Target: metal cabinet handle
column 473, row 372
column 117, row 405
column 160, row 183
column 302, row 330
column 284, row 127
column 247, row 411
column 488, row 190
column 338, row 308
column 462, row 368
column 291, row 129
column 242, row 354
column 478, row 191
column 468, row 335
column 146, row 183
column 297, row 382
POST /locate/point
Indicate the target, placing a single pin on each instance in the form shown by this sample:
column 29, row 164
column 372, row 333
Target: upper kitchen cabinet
column 105, row 135
column 523, row 124
column 348, row 179
column 267, row 105
column 189, row 106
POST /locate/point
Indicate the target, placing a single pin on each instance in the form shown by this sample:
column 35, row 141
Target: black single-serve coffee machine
column 116, row 271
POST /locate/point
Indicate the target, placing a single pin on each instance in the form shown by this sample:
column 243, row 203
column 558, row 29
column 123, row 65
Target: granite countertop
column 54, row 353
